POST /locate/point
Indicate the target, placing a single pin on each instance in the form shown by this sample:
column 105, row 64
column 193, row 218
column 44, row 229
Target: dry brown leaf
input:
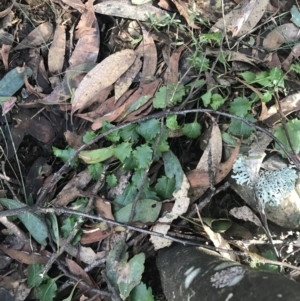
column 5, row 12
column 100, row 77
column 201, row 179
column 124, row 82
column 56, row 55
column 85, row 52
column 243, row 18
column 85, row 27
column 73, row 140
column 95, row 235
column 171, row 74
column 220, row 242
column 25, row 257
column 76, row 4
column 183, row 9
column 286, row 33
column 103, row 208
column 72, row 190
column 294, row 54
column 79, row 272
column 40, row 35
column 111, row 116
column 5, row 49
column 288, row 105
column 147, row 50
column 213, row 149
column 105, row 107
column 146, row 89
column 142, row 111
column 245, row 213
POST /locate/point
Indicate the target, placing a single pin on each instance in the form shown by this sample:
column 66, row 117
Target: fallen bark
column 191, row 273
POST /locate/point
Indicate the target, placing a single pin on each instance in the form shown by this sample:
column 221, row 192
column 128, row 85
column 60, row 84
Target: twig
column 77, row 279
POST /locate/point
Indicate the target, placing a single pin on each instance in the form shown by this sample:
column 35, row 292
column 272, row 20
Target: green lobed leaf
column 143, row 156
column 296, row 68
column 263, row 78
column 168, row 96
column 171, row 122
column 88, row 136
column 111, row 180
column 240, row 106
column 206, row 98
column 127, row 196
column 163, row 145
column 165, row 187
column 95, row 170
column 129, row 133
column 123, row 151
column 267, row 96
column 131, row 275
column 34, row 279
column 141, row 293
column 216, row 101
column 97, row 155
column 173, row 168
column 114, row 136
column 47, row 291
column 239, row 128
column 34, row 224
column 192, row 130
column 293, row 128
column 137, row 178
column 65, row 154
column 149, row 129
column 277, row 77
column 248, row 76
column 13, row 81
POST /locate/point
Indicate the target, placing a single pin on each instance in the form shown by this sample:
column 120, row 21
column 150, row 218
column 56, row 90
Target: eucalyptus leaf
column 34, row 224
column 13, row 81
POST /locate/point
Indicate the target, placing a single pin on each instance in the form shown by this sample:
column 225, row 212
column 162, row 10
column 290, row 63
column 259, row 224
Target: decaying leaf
column 102, row 76
column 25, row 257
column 243, row 18
column 57, row 50
column 288, row 105
column 39, row 36
column 147, row 50
column 287, row 33
column 78, row 271
column 124, row 82
column 244, row 213
column 201, row 179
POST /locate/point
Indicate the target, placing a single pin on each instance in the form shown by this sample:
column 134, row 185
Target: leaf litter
column 61, row 86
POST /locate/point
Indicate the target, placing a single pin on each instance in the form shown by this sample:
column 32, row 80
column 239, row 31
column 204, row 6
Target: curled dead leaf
column 198, row 178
